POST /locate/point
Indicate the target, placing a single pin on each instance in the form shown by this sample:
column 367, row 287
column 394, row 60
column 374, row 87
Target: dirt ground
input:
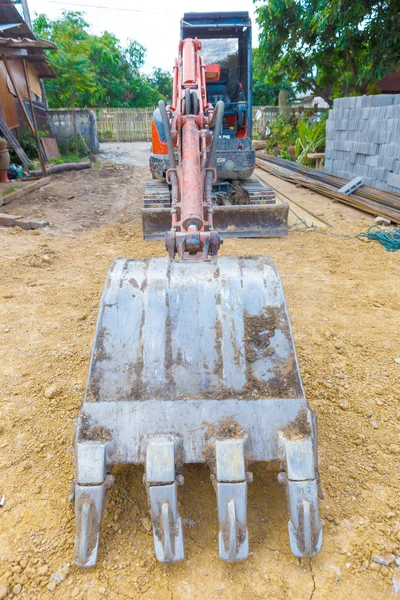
column 343, row 296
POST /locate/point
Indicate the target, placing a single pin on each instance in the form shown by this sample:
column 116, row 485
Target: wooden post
column 36, row 132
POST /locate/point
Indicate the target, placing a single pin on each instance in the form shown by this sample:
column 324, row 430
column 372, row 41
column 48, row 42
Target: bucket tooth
column 163, row 498
column 231, row 487
column 305, row 528
column 90, row 494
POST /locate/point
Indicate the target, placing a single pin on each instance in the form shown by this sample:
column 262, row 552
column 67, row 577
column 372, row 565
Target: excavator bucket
column 195, row 365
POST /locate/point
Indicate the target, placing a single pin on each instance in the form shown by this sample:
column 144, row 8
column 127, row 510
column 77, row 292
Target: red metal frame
column 192, row 234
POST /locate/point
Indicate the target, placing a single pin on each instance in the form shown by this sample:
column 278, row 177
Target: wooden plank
column 27, row 189
column 20, row 221
column 8, row 135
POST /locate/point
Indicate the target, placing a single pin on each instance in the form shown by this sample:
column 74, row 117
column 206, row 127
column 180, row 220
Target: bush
column 283, row 134
column 28, row 143
column 68, row 147
column 311, row 138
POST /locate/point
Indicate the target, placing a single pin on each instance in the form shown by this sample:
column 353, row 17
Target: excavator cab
column 227, row 54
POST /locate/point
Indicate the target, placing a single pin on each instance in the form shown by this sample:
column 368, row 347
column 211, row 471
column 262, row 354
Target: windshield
column 222, row 52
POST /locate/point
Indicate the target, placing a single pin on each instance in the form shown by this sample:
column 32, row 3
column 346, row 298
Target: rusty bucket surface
column 195, row 363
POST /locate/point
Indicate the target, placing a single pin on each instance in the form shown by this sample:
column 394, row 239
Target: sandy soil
column 345, row 309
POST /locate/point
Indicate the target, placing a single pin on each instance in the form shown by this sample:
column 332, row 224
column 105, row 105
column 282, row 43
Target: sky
column 154, row 23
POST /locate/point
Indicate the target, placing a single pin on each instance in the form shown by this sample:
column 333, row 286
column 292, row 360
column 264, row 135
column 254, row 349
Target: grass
column 66, row 158
column 9, row 190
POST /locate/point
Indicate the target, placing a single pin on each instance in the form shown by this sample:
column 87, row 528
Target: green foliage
column 28, row 143
column 74, row 146
column 95, row 70
column 9, row 190
column 311, row 138
column 75, row 73
column 283, row 134
column 264, row 92
column 332, row 48
column 66, row 157
column 161, row 81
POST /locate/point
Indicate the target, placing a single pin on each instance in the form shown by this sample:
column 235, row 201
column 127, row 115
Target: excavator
column 194, row 358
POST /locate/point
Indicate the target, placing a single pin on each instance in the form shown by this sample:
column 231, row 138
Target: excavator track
column 157, row 192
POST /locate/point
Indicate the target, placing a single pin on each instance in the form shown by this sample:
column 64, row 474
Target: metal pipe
column 217, row 118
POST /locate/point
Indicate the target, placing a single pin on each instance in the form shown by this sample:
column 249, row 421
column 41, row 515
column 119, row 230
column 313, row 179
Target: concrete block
column 396, row 167
column 358, row 101
column 330, row 124
column 394, row 136
column 372, row 161
column 386, row 162
column 365, row 101
column 342, row 124
column 396, row 99
column 382, row 100
column 360, row 158
column 368, row 181
column 392, row 150
column 393, row 179
column 381, row 174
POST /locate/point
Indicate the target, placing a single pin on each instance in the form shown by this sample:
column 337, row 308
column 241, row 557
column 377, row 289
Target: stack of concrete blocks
column 363, row 139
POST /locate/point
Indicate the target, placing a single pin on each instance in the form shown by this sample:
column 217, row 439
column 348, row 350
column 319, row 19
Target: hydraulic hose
column 217, row 119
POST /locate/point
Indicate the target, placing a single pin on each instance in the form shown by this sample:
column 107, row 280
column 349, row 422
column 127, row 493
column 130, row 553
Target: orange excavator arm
column 192, row 172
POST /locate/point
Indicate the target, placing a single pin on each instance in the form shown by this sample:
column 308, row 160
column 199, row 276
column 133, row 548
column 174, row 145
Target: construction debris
column 20, row 221
column 352, row 186
column 377, row 202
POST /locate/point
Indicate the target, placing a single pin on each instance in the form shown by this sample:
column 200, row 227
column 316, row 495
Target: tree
column 75, row 74
column 161, row 81
column 264, row 93
column 94, row 70
column 328, row 47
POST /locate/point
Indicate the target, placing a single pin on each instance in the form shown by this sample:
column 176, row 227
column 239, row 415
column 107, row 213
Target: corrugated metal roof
column 10, row 15
column 26, row 43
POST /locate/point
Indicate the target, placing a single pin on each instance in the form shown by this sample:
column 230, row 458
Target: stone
column 43, row 570
column 147, row 524
column 17, row 589
column 52, row 586
column 51, row 392
column 385, row 560
column 397, row 360
column 3, row 591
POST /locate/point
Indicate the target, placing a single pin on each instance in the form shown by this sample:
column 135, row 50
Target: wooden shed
column 23, row 65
